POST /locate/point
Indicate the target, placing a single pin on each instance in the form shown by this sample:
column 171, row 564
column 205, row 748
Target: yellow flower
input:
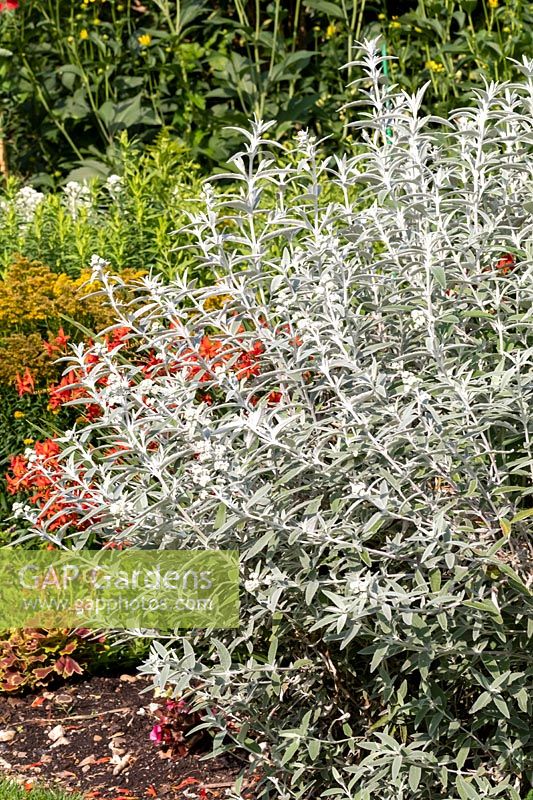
column 382, row 16
column 216, row 301
column 434, row 66
column 331, row 30
column 84, row 33
column 395, row 24
column 19, row 414
column 418, row 30
column 144, row 39
column 493, row 3
column 27, row 442
column 97, row 21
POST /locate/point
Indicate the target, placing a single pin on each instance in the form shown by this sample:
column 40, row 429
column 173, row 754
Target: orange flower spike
column 25, row 384
column 47, row 449
column 61, row 339
column 209, row 348
column 50, row 349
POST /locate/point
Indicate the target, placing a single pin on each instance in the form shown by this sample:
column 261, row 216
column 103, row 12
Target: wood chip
column 8, row 735
column 56, row 733
column 121, row 764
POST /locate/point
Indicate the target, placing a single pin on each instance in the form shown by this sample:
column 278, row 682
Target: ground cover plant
column 73, row 75
column 349, row 405
column 14, row 791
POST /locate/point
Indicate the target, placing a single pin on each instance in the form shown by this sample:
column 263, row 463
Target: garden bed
column 98, row 725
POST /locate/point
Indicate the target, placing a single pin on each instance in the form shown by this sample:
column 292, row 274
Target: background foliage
column 81, row 72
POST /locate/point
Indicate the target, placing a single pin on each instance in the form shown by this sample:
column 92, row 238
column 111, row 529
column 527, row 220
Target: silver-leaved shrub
column 351, row 407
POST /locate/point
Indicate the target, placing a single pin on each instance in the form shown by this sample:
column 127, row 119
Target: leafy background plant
column 80, row 73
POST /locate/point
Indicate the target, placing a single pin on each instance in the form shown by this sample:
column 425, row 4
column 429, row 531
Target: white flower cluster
column 419, row 319
column 210, row 466
column 98, row 265
column 76, row 198
column 27, row 201
column 114, row 184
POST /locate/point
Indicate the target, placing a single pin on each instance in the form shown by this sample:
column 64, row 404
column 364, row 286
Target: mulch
column 93, row 737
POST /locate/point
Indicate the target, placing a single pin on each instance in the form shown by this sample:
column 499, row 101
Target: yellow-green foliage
column 34, row 304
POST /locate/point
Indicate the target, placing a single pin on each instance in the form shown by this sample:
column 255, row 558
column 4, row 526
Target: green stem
column 275, row 38
column 296, row 24
column 360, row 20
column 386, row 76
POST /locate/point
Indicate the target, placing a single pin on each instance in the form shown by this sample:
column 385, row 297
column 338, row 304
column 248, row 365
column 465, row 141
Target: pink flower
column 179, row 705
column 156, row 734
column 8, row 5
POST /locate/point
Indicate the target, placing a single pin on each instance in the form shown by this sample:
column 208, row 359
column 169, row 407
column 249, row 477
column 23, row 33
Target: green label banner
column 161, row 589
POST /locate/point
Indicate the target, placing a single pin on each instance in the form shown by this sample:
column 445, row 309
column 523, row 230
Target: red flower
column 25, row 384
column 8, row 5
column 58, row 344
column 117, row 337
column 209, row 347
column 505, row 264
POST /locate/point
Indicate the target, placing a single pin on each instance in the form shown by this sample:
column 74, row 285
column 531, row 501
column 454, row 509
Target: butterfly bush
column 349, row 406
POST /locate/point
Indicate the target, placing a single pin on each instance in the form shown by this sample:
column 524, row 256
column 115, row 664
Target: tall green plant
column 74, row 76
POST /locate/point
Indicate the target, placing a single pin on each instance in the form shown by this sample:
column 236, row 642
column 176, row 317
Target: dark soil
column 103, row 747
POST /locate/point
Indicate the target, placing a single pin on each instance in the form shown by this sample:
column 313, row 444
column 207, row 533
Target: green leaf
column 462, row 755
column 524, row 514
column 330, row 9
column 440, row 276
column 465, row 789
column 415, row 773
column 522, row 699
column 396, row 767
column 482, row 701
column 378, row 657
column 290, row 751
column 220, row 517
column 502, row 706
column 505, row 525
column 314, row 749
